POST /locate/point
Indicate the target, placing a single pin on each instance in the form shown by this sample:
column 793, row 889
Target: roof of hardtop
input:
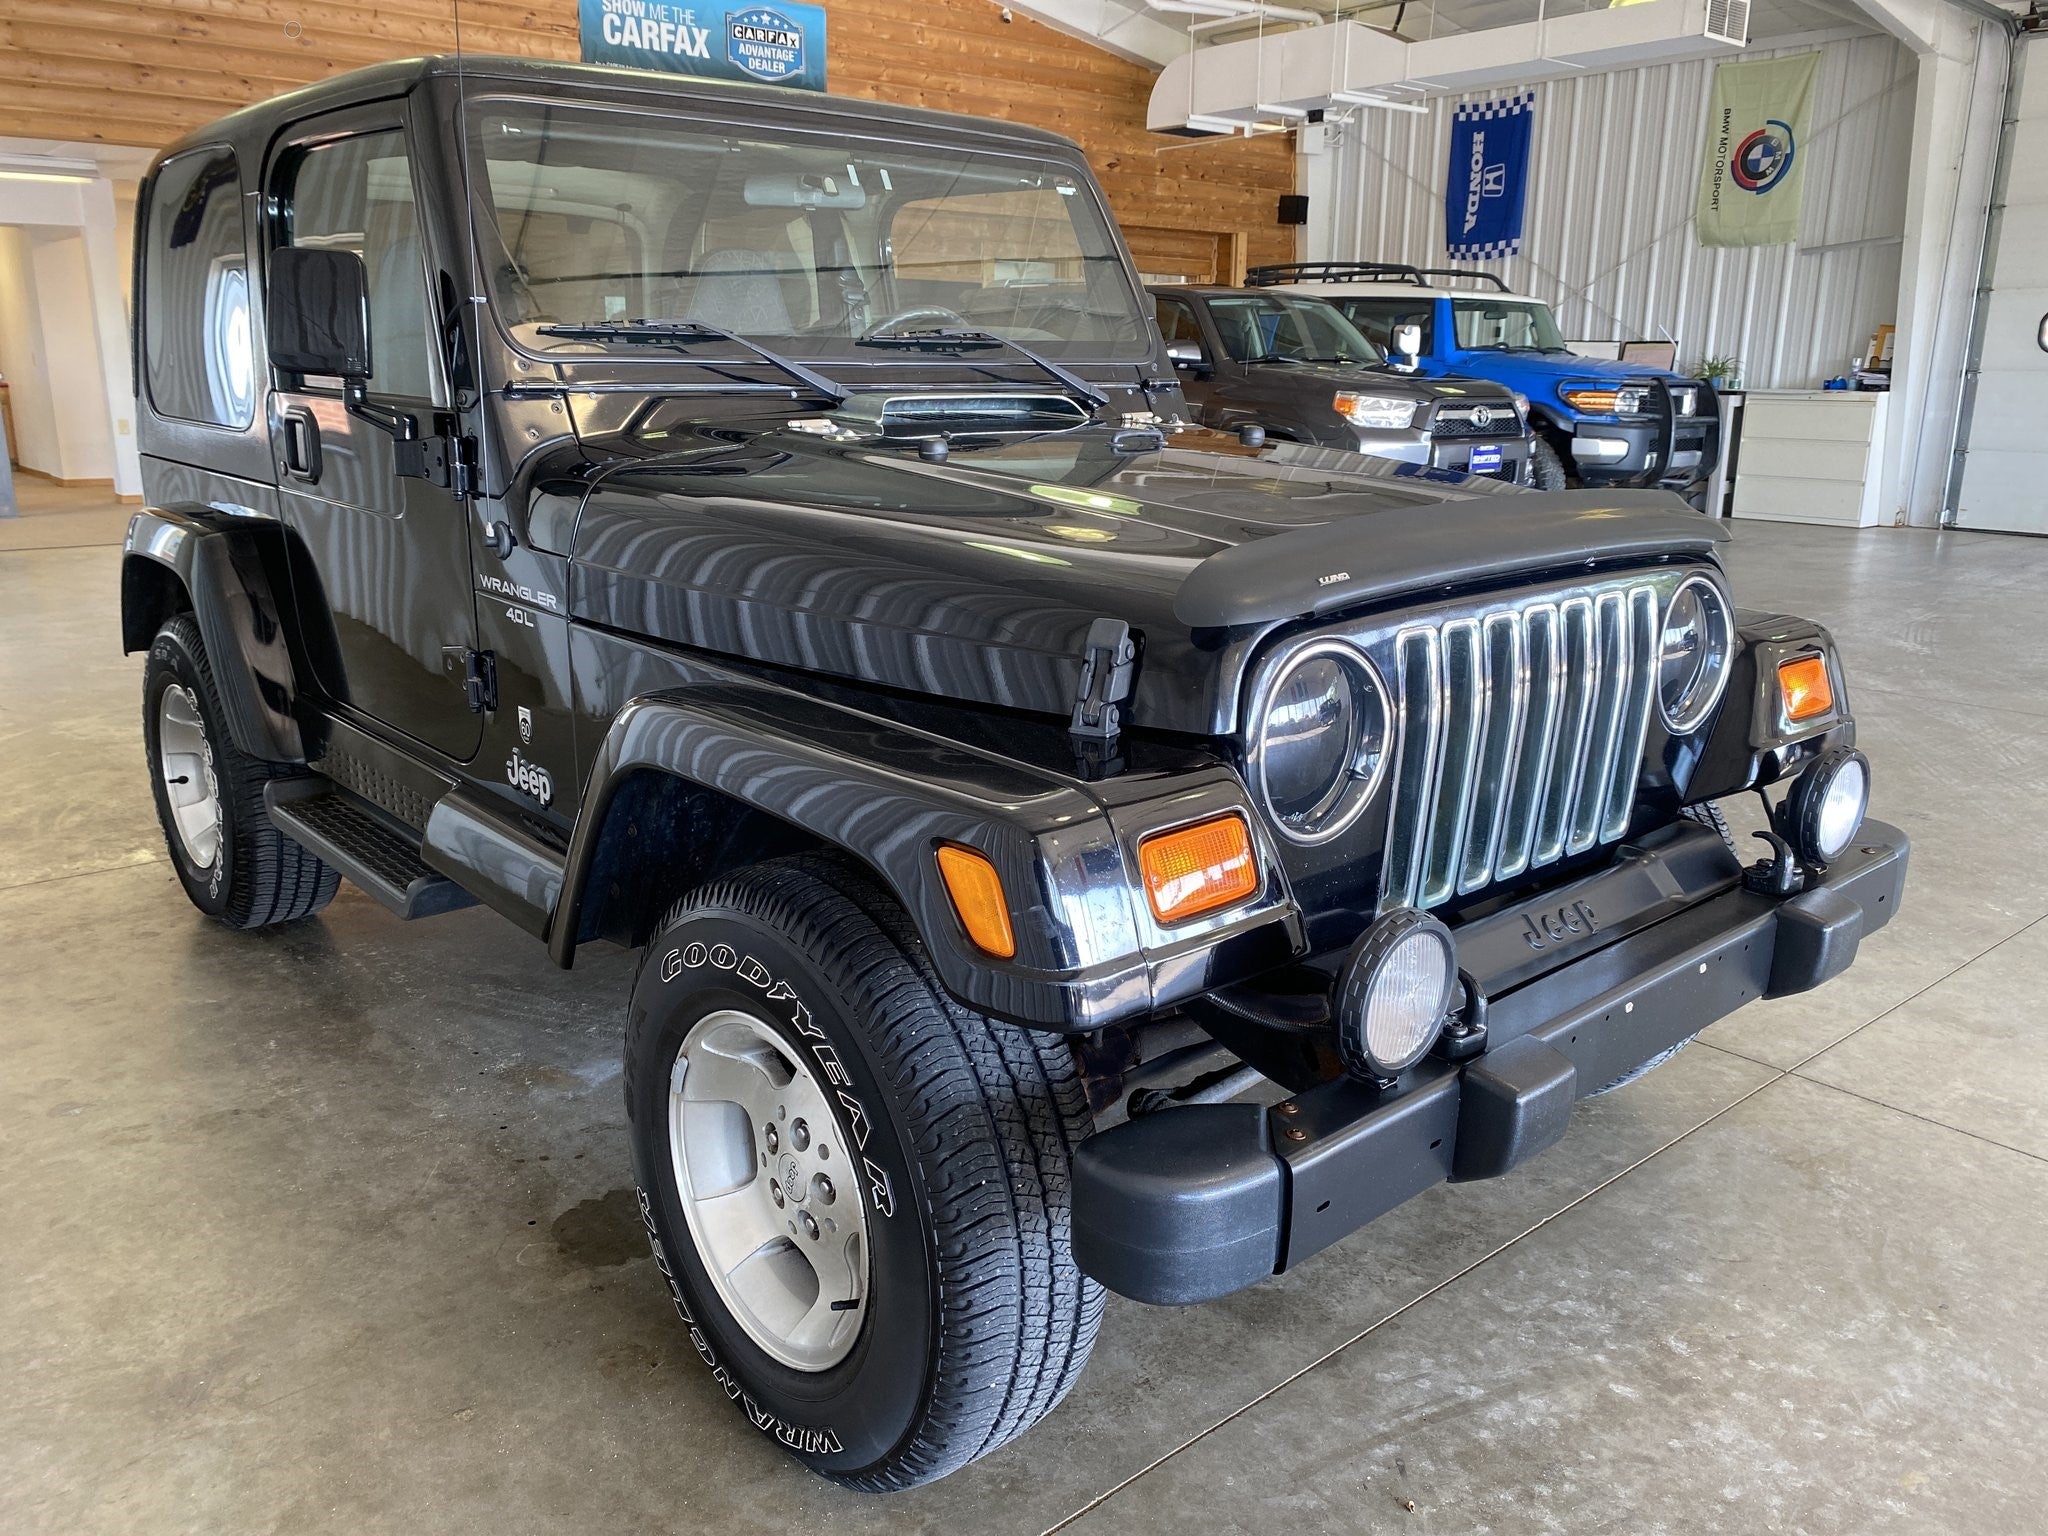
column 645, row 87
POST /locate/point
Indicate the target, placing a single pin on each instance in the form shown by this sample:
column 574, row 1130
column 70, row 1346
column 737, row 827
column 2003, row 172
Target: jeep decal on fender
column 530, row 778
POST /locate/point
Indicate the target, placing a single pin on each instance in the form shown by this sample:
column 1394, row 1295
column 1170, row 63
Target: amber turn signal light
column 1803, row 683
column 1192, row 870
column 977, row 893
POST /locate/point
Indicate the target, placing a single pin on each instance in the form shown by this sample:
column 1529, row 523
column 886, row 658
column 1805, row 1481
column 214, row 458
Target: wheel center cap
column 791, row 1177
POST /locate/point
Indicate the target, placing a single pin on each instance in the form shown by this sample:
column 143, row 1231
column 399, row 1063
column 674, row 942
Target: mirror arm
column 403, row 426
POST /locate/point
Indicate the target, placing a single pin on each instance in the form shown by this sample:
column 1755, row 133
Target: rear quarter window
column 199, row 354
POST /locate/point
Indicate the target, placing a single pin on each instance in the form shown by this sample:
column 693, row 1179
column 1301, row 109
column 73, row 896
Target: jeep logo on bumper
column 1541, row 930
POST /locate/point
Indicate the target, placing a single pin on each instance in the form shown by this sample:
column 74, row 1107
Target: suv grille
column 1522, row 736
column 1459, row 421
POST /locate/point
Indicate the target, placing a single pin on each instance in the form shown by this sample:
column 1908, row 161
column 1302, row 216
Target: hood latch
column 1107, row 659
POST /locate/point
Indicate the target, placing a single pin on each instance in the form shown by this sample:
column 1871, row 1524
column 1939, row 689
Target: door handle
column 301, row 444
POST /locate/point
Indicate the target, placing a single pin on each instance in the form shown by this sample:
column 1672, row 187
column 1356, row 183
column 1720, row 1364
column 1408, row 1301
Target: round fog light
column 1395, row 994
column 1828, row 804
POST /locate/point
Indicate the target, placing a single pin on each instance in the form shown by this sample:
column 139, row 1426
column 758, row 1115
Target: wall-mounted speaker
column 1293, row 208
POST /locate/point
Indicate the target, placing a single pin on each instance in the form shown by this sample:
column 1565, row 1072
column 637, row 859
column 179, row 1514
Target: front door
column 389, row 553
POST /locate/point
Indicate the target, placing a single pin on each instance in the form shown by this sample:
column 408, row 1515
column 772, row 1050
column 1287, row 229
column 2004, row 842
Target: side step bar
column 343, row 831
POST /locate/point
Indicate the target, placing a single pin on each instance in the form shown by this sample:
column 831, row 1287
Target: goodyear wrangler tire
column 798, row 1085
column 233, row 862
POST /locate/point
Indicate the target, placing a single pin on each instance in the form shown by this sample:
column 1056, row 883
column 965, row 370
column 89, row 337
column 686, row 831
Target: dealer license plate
column 1485, row 461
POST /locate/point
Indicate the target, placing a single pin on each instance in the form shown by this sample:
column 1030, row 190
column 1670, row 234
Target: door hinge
column 480, row 681
column 1107, row 658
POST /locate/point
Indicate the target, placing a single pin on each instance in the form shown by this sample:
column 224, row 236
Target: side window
column 1177, row 323
column 1378, row 317
column 198, row 357
column 355, row 195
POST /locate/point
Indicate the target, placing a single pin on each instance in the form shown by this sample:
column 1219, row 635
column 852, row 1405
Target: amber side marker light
column 1192, row 870
column 977, row 892
column 1803, row 683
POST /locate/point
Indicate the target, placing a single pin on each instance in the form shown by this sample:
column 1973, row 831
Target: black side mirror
column 317, row 307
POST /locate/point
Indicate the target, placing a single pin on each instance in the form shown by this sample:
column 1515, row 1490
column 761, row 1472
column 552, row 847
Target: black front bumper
column 1192, row 1203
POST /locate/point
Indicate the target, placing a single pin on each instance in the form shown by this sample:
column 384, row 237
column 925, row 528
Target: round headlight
column 1321, row 741
column 1396, row 992
column 1693, row 654
column 1828, row 804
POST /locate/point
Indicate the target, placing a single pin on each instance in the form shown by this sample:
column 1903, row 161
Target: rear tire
column 233, row 862
column 950, row 1139
column 1546, row 469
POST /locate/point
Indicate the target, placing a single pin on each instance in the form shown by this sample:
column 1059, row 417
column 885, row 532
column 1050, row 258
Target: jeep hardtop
column 1067, row 847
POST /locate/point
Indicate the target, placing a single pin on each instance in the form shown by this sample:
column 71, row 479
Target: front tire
column 1546, row 469
column 233, row 862
column 797, row 991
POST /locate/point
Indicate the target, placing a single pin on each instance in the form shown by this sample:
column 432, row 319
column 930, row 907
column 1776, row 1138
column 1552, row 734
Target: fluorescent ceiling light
column 1361, row 99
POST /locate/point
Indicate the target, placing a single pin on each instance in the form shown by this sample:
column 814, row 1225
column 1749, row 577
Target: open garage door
column 2005, row 459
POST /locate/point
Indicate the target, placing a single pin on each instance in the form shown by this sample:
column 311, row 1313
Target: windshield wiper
column 946, row 339
column 669, row 333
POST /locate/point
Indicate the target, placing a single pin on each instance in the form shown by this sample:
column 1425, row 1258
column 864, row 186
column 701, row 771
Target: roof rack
column 1352, row 271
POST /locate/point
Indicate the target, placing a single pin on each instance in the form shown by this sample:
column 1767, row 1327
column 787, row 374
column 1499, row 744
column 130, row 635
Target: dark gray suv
column 1298, row 368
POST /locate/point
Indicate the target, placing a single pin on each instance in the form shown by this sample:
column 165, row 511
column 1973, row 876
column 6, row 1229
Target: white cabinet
column 1811, row 456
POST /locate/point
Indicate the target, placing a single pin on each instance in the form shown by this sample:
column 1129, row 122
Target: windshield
column 1505, row 326
column 805, row 242
column 1261, row 328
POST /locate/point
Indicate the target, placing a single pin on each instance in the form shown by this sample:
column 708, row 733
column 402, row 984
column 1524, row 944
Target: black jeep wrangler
column 1067, row 847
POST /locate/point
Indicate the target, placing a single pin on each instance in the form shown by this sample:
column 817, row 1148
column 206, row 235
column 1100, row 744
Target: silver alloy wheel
column 185, row 760
column 768, row 1190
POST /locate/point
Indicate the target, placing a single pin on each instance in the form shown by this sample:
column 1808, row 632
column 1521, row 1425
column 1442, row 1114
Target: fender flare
column 226, row 582
column 887, row 795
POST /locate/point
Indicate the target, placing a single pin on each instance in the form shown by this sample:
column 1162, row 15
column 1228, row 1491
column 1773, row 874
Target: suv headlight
column 1694, row 653
column 1385, row 412
column 1603, row 399
column 1321, row 737
column 1685, row 402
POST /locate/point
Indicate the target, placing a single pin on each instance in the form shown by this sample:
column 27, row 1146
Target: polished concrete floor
column 327, row 1230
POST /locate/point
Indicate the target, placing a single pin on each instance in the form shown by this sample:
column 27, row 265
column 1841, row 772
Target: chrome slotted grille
column 1522, row 738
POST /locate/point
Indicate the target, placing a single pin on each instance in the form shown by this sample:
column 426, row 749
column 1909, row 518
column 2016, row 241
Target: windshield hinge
column 1107, row 659
column 448, row 462
column 480, row 681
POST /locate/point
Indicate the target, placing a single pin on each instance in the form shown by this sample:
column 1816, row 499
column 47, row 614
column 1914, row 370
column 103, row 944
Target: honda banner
column 1756, row 151
column 1489, row 177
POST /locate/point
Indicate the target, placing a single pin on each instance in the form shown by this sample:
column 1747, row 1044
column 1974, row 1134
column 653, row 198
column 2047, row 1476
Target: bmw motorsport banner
column 780, row 44
column 1756, row 151
column 1489, row 177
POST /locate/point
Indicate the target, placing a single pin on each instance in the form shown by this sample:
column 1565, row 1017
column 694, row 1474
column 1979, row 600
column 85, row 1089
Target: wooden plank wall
column 143, row 72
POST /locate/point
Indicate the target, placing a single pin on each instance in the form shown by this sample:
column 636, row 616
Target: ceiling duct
column 1256, row 78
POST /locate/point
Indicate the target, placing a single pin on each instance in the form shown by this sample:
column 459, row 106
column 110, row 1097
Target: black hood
column 978, row 577
column 1385, row 380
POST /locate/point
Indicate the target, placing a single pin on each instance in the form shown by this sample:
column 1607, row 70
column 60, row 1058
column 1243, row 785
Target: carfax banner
column 1489, row 180
column 779, row 44
column 1755, row 165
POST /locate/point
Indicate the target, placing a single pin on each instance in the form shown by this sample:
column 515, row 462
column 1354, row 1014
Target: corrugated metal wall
column 1608, row 236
